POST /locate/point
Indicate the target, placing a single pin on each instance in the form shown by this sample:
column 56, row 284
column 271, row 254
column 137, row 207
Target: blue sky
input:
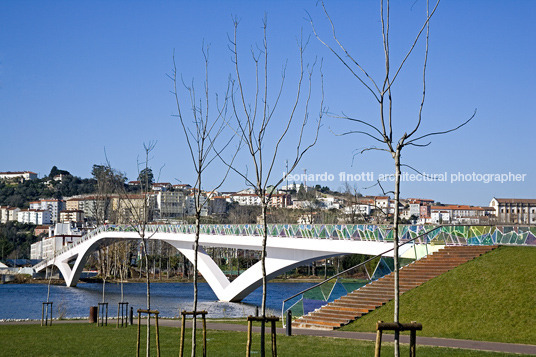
column 79, row 77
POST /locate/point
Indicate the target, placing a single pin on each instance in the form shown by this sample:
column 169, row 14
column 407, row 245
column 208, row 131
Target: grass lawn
column 90, row 340
column 492, row 298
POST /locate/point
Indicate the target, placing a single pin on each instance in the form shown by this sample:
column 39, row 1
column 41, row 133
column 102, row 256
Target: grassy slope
column 492, row 298
column 90, row 340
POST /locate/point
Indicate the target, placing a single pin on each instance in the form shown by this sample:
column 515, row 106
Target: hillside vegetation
column 491, row 298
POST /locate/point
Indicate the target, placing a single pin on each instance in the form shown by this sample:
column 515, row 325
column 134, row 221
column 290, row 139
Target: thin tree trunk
column 196, row 250
column 148, row 284
column 395, row 251
column 263, row 265
column 103, row 288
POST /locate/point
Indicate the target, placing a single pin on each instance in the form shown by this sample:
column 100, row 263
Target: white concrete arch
column 283, row 254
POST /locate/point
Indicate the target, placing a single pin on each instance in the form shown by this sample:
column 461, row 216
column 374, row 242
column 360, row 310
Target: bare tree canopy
column 381, row 130
column 202, row 130
column 263, row 125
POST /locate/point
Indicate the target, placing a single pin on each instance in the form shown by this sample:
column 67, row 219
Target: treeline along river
column 24, row 301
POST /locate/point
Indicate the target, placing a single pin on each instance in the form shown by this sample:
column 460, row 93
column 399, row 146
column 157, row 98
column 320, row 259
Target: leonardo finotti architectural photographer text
column 407, row 177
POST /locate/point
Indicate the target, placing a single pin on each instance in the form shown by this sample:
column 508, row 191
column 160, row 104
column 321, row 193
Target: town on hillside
column 62, row 219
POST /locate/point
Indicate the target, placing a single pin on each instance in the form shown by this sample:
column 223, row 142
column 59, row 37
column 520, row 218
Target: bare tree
column 108, row 181
column 137, row 211
column 381, row 130
column 255, row 126
column 352, row 196
column 201, row 131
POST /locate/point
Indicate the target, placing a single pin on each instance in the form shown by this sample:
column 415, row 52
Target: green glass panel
column 327, row 287
column 521, row 238
column 297, row 309
column 314, row 294
column 353, row 284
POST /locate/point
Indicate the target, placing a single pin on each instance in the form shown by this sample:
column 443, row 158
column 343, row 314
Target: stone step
column 369, row 297
column 335, row 315
column 429, row 267
column 423, row 271
column 448, row 260
column 354, row 309
column 332, row 320
column 416, row 275
column 363, row 299
column 320, row 322
column 356, row 305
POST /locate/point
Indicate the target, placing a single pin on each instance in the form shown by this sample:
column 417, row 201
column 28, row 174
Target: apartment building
column 34, row 216
column 54, row 206
column 170, row 204
column 459, row 214
column 280, row 200
column 133, row 208
column 8, row 213
column 74, row 216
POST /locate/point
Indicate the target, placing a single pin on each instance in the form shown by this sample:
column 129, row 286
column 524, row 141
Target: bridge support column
column 278, row 261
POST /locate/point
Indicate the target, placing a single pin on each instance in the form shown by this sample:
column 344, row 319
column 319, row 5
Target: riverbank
column 27, row 279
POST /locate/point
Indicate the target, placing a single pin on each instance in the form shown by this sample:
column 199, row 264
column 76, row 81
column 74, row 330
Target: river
column 24, row 301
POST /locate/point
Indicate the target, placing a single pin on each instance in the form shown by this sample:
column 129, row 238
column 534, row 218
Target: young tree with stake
column 256, row 123
column 381, row 130
column 201, row 130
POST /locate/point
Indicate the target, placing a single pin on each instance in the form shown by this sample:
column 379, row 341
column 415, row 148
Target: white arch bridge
column 288, row 246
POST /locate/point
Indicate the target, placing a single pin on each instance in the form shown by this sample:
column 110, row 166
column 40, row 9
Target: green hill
column 491, row 298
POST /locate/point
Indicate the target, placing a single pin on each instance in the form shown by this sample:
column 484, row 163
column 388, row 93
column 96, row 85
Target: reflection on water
column 24, row 301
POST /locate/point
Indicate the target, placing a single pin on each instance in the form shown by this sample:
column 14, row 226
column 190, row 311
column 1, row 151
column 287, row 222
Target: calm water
column 24, row 301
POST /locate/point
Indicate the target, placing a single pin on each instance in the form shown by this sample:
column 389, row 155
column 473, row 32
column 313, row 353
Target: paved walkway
column 369, row 336
column 365, row 336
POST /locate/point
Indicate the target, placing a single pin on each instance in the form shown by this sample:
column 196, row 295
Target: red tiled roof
column 17, row 172
column 516, row 200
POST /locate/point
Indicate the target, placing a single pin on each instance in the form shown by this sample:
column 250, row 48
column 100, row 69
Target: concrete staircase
column 373, row 295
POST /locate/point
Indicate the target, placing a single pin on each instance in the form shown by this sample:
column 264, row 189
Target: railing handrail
column 358, row 265
column 152, row 227
column 309, row 231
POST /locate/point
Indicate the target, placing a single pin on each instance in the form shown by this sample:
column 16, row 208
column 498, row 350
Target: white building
column 4, row 214
column 361, row 209
column 161, row 186
column 514, row 210
column 54, row 206
column 18, row 175
column 440, row 216
column 461, row 214
column 8, row 213
column 61, row 235
column 330, row 202
column 34, row 216
column 246, row 199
